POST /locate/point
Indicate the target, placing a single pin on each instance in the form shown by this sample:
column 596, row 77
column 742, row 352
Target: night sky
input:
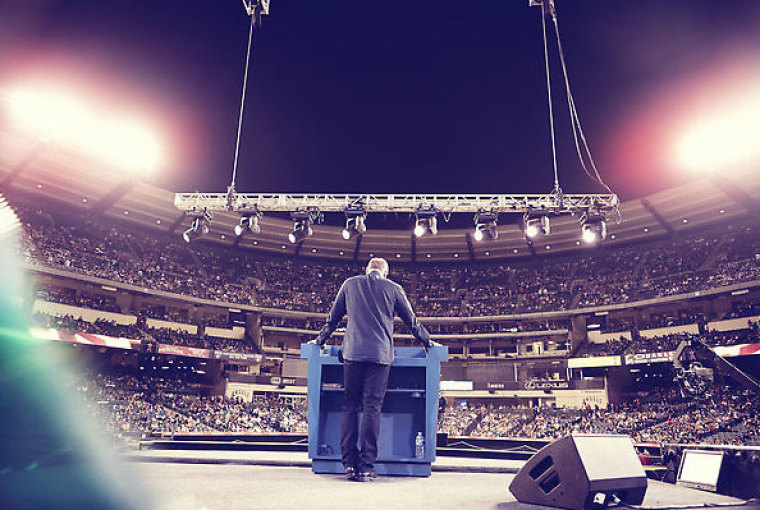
column 393, row 97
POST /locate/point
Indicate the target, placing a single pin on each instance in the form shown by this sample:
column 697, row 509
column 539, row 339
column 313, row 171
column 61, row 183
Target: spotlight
column 302, row 225
column 301, row 230
column 427, row 221
column 490, row 232
column 197, row 228
column 355, row 225
column 535, row 225
column 199, row 225
column 588, row 234
column 593, row 228
column 485, row 226
column 248, row 223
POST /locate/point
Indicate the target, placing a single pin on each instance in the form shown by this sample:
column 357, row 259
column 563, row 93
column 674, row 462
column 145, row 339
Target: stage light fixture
column 302, row 221
column 301, row 230
column 355, row 222
column 536, row 224
column 248, row 223
column 486, row 226
column 426, row 226
column 197, row 229
column 427, row 221
column 593, row 228
column 199, row 225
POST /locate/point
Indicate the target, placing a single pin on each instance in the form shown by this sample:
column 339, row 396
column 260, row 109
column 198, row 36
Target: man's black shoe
column 350, row 473
column 366, row 475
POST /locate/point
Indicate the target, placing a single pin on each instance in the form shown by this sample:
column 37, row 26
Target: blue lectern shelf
column 410, row 407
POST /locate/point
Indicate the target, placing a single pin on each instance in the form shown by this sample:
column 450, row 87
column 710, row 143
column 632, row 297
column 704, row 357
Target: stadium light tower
column 724, row 136
column 62, row 118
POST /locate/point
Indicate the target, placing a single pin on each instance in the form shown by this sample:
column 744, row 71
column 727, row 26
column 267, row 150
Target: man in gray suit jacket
column 370, row 301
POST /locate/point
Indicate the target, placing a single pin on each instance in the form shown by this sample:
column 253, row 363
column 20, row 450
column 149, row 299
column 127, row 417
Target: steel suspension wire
column 575, row 122
column 549, row 95
column 242, row 102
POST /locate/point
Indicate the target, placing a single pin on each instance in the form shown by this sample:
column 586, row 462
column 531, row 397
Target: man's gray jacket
column 371, row 302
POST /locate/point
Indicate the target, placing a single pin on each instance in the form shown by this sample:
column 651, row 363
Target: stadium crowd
column 154, row 405
column 725, row 415
column 70, row 324
column 149, row 404
column 124, row 254
column 136, row 405
column 667, row 343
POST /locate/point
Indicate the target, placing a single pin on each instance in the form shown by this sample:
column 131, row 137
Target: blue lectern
column 410, row 407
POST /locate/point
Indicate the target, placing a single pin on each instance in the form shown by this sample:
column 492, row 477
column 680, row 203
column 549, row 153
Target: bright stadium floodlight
column 355, row 222
column 593, row 228
column 725, row 136
column 61, row 118
column 536, row 224
column 427, row 221
column 248, row 223
column 486, row 226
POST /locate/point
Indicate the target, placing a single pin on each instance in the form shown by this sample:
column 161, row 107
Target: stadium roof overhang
column 51, row 172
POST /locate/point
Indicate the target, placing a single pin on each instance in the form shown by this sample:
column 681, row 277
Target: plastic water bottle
column 419, row 446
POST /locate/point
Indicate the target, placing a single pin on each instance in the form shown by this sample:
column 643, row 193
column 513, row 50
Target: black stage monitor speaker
column 582, row 471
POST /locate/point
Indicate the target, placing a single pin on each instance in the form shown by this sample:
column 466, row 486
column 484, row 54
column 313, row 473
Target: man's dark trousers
column 364, row 389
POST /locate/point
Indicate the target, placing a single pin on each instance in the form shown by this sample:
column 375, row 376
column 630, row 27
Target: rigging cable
column 575, row 122
column 549, row 94
column 242, row 101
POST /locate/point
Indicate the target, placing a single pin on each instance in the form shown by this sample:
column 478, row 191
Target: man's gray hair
column 378, row 264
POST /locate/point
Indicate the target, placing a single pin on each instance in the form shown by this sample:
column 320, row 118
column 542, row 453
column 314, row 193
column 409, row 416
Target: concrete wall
column 238, row 332
column 598, row 337
column 86, row 314
column 731, row 324
column 176, row 326
column 672, row 330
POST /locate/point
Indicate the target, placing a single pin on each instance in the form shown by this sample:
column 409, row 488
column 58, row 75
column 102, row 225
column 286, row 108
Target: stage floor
column 219, row 480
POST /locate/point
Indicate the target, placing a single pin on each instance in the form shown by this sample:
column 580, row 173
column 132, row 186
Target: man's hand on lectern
column 431, row 344
column 314, row 342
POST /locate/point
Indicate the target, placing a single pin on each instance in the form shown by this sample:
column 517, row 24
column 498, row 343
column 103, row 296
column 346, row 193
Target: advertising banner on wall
column 181, row 350
column 238, row 357
column 537, row 385
column 725, row 351
column 648, row 357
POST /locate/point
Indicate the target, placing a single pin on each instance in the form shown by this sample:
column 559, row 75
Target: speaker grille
column 542, row 467
column 551, row 483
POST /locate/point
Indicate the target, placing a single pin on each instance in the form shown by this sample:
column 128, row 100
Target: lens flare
column 723, row 138
column 62, row 118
